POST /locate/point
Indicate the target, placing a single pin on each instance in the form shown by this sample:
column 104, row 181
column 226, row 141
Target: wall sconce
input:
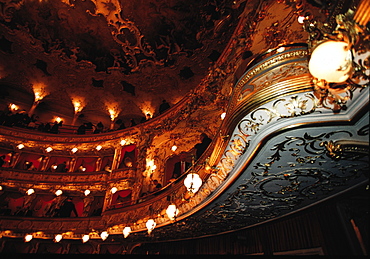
column 192, row 182
column 58, row 119
column 150, row 225
column 77, row 106
column 172, row 211
column 340, row 58
column 38, row 96
column 104, row 235
column 13, row 107
column 126, row 232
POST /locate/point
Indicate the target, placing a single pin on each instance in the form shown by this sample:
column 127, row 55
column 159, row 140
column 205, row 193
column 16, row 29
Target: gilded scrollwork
column 266, row 195
column 250, row 125
column 7, row 9
column 289, row 70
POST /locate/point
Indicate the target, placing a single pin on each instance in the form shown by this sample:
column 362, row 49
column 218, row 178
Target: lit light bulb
column 223, row 115
column 28, row 238
column 193, row 182
column 58, row 192
column 85, row 238
column 49, row 149
column 123, row 142
column 172, row 211
column 20, row 146
column 331, row 61
column 150, row 225
column 30, row 191
column 174, row 148
column 87, row 192
column 114, row 190
column 58, row 237
column 281, row 49
column 74, row 150
column 126, row 231
column 301, row 19
column 98, row 147
column 104, row 235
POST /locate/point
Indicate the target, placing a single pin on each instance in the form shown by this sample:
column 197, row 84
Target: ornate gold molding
column 345, row 149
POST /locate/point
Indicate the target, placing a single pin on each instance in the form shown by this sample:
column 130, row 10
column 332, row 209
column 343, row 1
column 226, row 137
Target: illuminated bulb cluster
column 193, row 182
column 13, row 107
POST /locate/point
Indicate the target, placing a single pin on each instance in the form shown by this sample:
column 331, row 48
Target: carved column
column 98, row 164
column 116, row 158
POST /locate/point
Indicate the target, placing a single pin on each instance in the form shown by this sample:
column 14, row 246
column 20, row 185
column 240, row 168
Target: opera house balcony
column 264, row 136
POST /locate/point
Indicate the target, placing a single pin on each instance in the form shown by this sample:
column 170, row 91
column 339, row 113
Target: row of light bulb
column 171, row 211
column 57, row 192
column 85, row 237
column 192, row 180
column 74, row 150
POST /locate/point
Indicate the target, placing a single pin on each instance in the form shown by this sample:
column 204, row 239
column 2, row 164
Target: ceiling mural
column 134, row 54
